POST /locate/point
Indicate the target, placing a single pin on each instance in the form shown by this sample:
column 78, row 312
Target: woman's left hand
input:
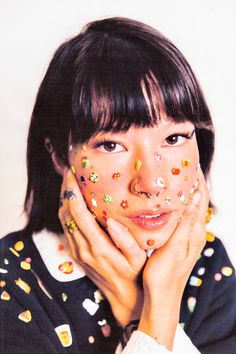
column 111, row 260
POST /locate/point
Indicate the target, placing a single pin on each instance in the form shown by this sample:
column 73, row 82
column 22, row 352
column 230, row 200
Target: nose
column 150, row 177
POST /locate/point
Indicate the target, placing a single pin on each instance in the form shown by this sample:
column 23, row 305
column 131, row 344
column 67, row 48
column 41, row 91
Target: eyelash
column 98, row 144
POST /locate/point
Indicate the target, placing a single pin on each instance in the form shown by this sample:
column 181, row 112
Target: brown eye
column 109, row 146
column 172, row 139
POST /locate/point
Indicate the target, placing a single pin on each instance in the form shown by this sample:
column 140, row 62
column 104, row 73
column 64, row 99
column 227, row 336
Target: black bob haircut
column 95, row 83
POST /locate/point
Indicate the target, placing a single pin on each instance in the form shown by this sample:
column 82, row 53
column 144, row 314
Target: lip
column 153, row 223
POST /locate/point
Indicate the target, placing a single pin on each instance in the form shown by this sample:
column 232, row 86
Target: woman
column 119, row 146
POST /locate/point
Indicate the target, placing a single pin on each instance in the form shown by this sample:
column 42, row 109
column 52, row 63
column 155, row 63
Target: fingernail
column 196, row 197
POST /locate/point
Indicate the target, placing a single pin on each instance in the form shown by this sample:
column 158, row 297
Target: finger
column 79, row 211
column 125, row 241
column 180, row 240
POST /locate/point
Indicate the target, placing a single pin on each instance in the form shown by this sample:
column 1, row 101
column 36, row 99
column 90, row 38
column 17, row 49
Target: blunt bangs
column 114, row 76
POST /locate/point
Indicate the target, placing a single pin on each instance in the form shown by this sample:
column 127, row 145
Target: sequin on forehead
column 94, row 177
column 160, row 182
column 138, row 165
column 84, row 148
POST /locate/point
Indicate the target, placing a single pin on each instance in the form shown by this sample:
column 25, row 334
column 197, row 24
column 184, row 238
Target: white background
column 30, row 31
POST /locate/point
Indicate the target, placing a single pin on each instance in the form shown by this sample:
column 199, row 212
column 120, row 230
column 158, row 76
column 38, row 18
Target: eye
column 178, row 139
column 108, row 146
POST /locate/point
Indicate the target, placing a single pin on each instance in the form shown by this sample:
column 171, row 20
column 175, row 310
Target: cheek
column 183, row 174
column 102, row 188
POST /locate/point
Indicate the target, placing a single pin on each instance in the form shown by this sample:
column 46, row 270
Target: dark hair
column 95, row 83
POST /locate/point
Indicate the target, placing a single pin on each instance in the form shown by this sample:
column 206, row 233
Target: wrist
column 159, row 321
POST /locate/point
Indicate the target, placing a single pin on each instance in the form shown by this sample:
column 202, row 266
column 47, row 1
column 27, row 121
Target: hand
column 112, row 261
column 167, row 271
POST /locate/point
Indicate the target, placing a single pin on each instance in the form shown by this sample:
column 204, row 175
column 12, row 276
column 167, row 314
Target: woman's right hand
column 112, row 262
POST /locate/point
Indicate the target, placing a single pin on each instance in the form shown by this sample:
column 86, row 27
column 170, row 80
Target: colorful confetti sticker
column 64, row 297
column 208, row 252
column 3, row 271
column 157, row 156
column 94, row 177
column 24, row 265
column 107, row 198
column 64, row 334
column 168, row 201
column 5, row 296
column 84, row 148
column 227, row 271
column 85, row 163
column 73, row 169
column 19, row 246
column 160, row 182
column 138, row 165
column 191, row 303
column 14, row 252
column 104, row 215
column 210, row 237
column 91, row 339
column 124, row 204
column 90, row 306
column 195, row 281
column 175, row 171
column 2, row 283
column 181, row 197
column 186, row 178
column 185, row 163
column 66, row 267
column 94, row 202
column 218, row 277
column 83, row 180
column 6, row 261
column 201, row 271
column 25, row 316
column 116, row 176
column 23, row 285
column 28, row 260
column 98, row 296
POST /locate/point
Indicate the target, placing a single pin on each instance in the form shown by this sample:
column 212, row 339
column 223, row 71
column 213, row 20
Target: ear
column 57, row 161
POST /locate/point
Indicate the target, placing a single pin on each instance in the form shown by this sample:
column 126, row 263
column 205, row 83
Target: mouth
column 151, row 221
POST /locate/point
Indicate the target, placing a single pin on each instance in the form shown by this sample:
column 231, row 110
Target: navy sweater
column 39, row 314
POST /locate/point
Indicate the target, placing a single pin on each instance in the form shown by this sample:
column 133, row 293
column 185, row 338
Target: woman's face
column 142, row 178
